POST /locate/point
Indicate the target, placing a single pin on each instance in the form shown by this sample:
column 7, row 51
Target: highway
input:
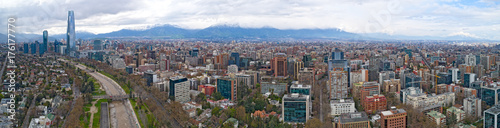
column 121, row 112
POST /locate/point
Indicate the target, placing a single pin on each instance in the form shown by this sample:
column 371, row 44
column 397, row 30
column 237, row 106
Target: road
column 121, row 112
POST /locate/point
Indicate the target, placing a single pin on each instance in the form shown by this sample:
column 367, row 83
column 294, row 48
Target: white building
column 342, row 106
column 181, row 89
column 454, row 74
column 409, row 91
column 41, row 122
column 470, row 59
column 472, row 106
column 422, row 100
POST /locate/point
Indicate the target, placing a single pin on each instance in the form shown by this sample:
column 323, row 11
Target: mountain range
column 231, row 32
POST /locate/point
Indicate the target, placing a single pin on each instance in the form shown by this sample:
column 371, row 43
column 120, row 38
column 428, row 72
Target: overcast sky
column 474, row 18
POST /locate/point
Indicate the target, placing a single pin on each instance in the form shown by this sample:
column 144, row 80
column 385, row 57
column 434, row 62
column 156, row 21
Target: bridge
column 112, row 97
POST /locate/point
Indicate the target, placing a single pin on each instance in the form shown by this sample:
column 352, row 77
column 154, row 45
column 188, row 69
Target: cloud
column 461, row 33
column 398, row 17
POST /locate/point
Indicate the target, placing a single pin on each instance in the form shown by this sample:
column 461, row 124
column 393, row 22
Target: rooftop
column 353, row 117
column 388, row 113
column 342, row 101
column 494, row 110
column 300, row 86
column 436, row 114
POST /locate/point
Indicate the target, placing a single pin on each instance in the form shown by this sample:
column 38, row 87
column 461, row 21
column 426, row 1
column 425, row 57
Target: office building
column 338, row 86
column 274, row 87
column 468, row 79
column 489, row 93
column 298, row 65
column 394, row 118
column 470, row 60
column 279, row 65
column 353, row 120
column 386, row 75
column 227, row 87
column 179, row 89
column 338, row 63
column 98, row 45
column 375, row 103
column 444, row 78
column 244, row 80
column 455, row 74
column 369, row 89
column 150, row 77
column 26, row 49
column 70, row 34
column 43, row 47
column 234, row 59
column 129, row 69
column 412, row 80
column 295, row 108
column 342, row 106
column 391, row 86
column 301, row 89
column 491, row 117
column 34, row 47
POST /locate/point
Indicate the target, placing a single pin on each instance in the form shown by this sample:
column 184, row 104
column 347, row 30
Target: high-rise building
column 369, row 89
column 301, row 89
column 179, row 89
column 492, row 117
column 472, row 106
column 412, row 80
column 297, row 66
column 353, row 120
column 338, row 85
column 394, row 118
column 26, row 48
column 489, row 93
column 470, row 60
column 98, row 45
column 306, row 76
column 392, row 85
column 444, row 78
column 468, row 79
column 455, row 74
column 227, row 87
column 34, row 47
column 43, row 47
column 234, row 59
column 278, row 65
column 150, row 77
column 337, row 62
column 295, row 108
column 70, row 34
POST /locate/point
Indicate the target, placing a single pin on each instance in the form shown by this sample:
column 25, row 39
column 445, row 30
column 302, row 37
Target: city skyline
column 475, row 19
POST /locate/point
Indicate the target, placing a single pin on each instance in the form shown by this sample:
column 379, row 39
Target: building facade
column 179, row 89
column 342, row 106
column 394, row 118
column 295, row 108
column 375, row 103
column 338, row 84
column 227, row 87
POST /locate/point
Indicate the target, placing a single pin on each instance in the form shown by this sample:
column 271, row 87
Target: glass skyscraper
column 70, row 34
column 43, row 48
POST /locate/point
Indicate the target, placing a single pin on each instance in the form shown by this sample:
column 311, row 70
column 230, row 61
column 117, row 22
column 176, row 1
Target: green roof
column 436, row 115
column 455, row 110
column 51, row 116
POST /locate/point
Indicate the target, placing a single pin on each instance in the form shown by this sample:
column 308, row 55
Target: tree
column 216, row 111
column 313, row 123
column 217, row 96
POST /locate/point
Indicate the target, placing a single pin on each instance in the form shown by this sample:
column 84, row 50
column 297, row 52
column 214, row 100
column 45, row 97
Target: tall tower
column 278, row 65
column 70, row 34
column 45, row 41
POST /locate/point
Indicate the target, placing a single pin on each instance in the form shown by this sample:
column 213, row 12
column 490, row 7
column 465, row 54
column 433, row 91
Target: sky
column 471, row 18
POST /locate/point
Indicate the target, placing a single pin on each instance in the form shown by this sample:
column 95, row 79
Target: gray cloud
column 409, row 17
